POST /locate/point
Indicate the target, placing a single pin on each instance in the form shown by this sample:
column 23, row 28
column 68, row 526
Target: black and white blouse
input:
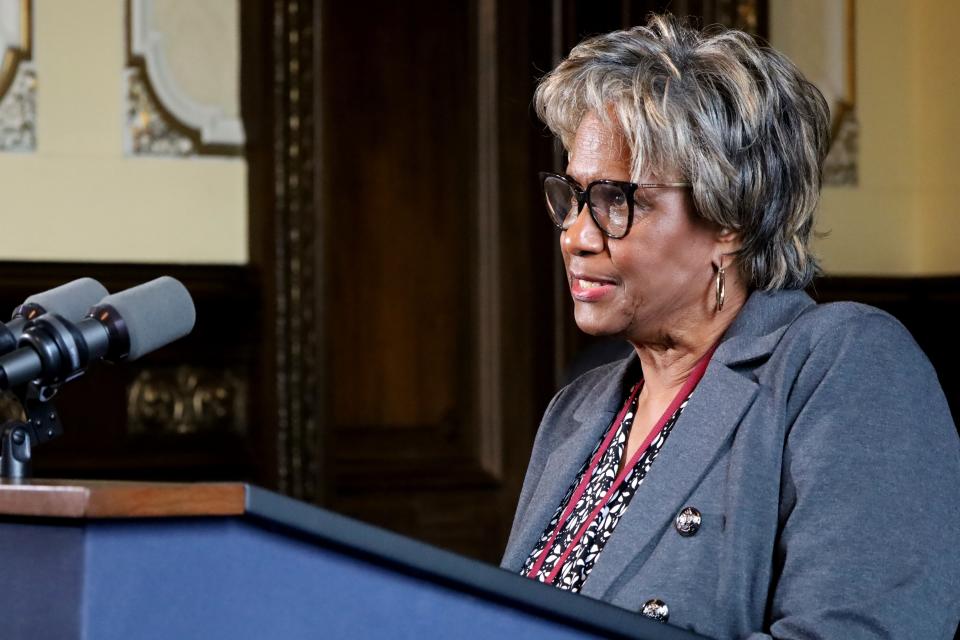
column 576, row 563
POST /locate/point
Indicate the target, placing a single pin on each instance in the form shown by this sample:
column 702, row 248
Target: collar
column 761, row 323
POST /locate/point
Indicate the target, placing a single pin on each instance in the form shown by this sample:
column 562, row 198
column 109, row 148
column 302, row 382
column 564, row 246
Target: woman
column 761, row 466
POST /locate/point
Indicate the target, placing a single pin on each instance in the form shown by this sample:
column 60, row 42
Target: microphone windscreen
column 71, row 300
column 155, row 314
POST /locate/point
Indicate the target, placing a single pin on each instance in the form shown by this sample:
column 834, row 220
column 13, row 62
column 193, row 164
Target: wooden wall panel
column 401, row 147
column 400, row 142
column 401, row 196
column 431, row 154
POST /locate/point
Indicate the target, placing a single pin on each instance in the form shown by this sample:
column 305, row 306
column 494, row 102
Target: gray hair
column 737, row 119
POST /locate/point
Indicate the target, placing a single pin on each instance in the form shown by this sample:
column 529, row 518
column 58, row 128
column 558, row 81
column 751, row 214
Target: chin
column 598, row 325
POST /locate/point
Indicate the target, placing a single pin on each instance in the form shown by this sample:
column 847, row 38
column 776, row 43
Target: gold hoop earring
column 721, row 287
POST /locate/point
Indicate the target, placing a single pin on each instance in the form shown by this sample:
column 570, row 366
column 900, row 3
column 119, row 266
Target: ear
column 728, row 240
column 727, row 236
column 727, row 245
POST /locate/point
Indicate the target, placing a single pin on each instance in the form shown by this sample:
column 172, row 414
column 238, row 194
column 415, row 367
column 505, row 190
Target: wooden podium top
column 105, row 499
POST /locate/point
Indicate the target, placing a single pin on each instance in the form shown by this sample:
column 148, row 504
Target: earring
column 721, row 287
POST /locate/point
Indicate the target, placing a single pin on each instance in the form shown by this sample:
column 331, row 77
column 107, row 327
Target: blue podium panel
column 42, row 572
column 280, row 569
column 232, row 579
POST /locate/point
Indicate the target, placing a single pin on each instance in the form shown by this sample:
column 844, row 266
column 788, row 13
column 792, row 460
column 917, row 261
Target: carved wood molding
column 489, row 358
column 296, row 328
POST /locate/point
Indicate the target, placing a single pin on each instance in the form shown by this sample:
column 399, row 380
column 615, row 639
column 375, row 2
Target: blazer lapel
column 588, row 422
column 715, row 408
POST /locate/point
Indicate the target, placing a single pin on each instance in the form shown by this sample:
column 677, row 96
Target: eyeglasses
column 610, row 202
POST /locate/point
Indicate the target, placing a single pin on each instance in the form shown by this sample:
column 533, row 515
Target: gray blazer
column 820, row 451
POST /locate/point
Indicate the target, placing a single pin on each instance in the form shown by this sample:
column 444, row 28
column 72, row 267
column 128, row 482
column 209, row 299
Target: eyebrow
column 639, row 184
column 574, row 180
column 594, row 179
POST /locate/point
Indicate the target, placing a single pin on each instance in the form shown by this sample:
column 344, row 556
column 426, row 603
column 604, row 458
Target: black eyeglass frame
column 583, row 197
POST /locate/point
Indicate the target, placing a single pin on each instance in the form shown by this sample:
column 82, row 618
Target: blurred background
column 349, row 191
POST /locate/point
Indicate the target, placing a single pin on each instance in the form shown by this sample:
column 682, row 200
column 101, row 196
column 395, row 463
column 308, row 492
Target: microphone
column 71, row 300
column 122, row 326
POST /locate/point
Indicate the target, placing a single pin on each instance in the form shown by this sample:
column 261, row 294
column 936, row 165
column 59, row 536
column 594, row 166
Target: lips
column 588, row 284
column 588, row 288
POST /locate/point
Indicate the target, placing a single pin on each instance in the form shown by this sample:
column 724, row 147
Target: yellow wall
column 77, row 197
column 903, row 217
column 936, row 64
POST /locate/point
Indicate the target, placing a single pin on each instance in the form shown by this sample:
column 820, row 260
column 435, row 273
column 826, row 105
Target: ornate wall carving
column 149, row 131
column 186, row 400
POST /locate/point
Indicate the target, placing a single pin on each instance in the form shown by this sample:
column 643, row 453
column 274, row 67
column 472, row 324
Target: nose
column 583, row 236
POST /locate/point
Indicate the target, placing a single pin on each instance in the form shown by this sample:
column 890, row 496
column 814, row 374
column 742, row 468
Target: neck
column 669, row 359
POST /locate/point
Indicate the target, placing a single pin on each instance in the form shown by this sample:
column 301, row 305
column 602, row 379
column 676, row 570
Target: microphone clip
column 18, row 438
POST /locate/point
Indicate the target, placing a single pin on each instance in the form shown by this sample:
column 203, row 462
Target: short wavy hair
column 735, row 118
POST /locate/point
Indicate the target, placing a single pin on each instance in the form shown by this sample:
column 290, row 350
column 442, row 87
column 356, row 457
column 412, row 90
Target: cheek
column 666, row 266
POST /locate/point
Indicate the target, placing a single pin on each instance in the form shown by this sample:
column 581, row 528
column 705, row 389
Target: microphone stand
column 17, row 438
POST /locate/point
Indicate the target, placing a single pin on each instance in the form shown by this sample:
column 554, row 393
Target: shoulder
column 851, row 320
column 850, row 335
column 858, row 369
column 855, row 365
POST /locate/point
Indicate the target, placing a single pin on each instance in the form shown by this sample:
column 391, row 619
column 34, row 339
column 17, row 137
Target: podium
column 104, row 560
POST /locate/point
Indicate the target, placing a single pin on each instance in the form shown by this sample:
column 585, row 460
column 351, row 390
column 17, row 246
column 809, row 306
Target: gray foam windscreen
column 71, row 300
column 156, row 313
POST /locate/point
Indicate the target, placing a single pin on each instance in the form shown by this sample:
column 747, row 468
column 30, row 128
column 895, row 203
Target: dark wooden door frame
column 279, row 59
